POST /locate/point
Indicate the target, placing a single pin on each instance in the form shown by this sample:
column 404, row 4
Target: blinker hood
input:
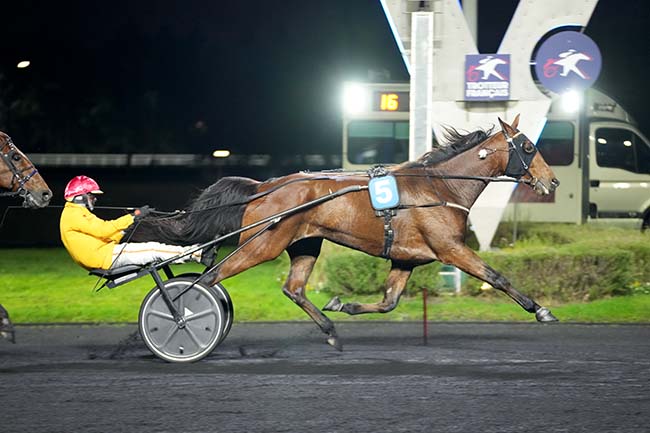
column 519, row 159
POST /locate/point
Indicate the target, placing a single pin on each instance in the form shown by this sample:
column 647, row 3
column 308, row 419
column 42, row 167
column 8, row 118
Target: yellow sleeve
column 95, row 226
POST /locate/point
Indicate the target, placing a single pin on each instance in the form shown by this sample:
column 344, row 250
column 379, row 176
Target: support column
column 420, row 132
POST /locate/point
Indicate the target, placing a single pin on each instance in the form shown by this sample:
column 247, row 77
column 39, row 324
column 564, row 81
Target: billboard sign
column 487, row 77
column 568, row 61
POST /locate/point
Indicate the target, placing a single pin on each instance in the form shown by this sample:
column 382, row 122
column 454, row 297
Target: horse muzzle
column 37, row 199
column 540, row 187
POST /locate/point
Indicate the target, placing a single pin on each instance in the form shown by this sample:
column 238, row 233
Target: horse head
column 524, row 162
column 20, row 177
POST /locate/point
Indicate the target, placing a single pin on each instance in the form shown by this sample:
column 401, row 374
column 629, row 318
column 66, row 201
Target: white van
column 619, row 166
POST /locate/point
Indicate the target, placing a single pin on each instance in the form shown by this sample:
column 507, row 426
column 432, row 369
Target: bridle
column 520, row 146
column 10, row 155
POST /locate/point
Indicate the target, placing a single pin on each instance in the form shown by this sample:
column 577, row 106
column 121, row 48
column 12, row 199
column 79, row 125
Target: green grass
column 45, row 286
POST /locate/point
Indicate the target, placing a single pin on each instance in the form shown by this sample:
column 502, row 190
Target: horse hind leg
column 303, row 256
column 395, row 284
column 6, row 327
column 262, row 249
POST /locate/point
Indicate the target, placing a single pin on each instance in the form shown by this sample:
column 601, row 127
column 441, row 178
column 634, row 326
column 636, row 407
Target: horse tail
column 216, row 211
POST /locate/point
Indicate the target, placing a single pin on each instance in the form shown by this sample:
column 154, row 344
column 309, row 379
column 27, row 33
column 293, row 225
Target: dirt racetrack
column 281, row 377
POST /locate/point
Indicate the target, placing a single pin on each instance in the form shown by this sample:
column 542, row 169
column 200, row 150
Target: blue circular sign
column 568, row 61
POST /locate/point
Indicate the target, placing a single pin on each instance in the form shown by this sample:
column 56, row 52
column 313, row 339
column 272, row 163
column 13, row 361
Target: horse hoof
column 335, row 343
column 6, row 328
column 544, row 315
column 9, row 335
column 334, row 304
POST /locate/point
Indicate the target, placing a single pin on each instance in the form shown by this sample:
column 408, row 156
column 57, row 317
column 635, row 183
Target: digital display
column 390, row 101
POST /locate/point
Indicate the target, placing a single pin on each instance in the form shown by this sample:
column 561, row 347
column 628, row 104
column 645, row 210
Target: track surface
column 283, row 378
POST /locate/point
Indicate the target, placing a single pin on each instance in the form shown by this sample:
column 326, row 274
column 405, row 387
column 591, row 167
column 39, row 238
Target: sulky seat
column 118, row 276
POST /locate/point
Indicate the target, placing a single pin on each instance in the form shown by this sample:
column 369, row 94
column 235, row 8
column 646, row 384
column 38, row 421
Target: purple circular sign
column 568, row 61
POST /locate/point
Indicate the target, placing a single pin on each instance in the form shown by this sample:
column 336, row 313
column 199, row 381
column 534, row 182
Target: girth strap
column 387, row 214
column 389, row 233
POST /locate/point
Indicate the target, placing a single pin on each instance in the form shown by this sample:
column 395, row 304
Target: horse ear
column 507, row 128
column 515, row 122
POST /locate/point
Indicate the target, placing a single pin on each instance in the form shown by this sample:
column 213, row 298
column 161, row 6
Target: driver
column 94, row 243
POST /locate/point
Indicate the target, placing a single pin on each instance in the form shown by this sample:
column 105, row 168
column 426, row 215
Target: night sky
column 250, row 76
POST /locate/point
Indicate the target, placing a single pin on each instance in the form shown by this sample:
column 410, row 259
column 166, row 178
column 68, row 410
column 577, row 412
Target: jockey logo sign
column 567, row 61
column 487, row 77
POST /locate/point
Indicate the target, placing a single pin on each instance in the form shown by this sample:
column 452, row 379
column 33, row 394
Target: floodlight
column 571, row 101
column 221, row 153
column 355, row 98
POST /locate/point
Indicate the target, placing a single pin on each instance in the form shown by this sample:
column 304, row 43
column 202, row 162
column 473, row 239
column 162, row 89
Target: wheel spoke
column 198, row 315
column 172, row 332
column 194, row 337
column 181, row 303
column 161, row 314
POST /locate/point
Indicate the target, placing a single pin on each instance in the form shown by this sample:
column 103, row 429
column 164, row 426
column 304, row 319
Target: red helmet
column 81, row 185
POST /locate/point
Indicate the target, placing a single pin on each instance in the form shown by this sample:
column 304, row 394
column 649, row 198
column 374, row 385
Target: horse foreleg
column 468, row 261
column 303, row 256
column 395, row 284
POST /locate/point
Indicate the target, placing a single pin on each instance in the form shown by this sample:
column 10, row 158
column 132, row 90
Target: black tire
column 227, row 306
column 202, row 331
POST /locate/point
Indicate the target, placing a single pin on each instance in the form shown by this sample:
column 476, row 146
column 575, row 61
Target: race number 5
column 383, row 192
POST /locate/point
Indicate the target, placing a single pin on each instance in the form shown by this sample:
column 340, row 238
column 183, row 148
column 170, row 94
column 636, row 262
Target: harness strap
column 387, row 214
column 434, row 204
column 389, row 233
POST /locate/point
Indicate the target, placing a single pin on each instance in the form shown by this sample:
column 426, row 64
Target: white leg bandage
column 141, row 253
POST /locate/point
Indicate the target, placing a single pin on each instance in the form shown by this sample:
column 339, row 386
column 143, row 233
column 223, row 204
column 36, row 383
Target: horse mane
column 212, row 213
column 454, row 143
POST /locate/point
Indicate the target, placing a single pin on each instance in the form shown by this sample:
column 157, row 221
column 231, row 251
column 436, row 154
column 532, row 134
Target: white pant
column 141, row 253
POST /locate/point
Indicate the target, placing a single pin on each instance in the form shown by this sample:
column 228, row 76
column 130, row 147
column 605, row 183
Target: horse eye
column 528, row 147
column 16, row 157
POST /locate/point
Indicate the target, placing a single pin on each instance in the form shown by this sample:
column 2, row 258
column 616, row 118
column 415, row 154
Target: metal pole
column 424, row 316
column 515, row 221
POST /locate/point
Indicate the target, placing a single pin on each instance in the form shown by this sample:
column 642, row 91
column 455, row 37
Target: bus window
column 378, row 142
column 556, row 143
column 614, row 148
column 621, row 148
column 642, row 155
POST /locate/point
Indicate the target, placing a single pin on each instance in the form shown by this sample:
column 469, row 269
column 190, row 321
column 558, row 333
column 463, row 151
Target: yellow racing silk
column 90, row 240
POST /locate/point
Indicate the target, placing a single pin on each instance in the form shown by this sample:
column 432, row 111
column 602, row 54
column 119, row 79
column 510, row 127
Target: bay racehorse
column 429, row 223
column 19, row 178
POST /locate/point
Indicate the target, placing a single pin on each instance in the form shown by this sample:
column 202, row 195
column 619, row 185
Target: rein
column 459, row 177
column 282, row 185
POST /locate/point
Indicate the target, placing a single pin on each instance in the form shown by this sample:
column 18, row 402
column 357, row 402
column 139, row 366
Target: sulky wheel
column 224, row 297
column 201, row 332
column 227, row 306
